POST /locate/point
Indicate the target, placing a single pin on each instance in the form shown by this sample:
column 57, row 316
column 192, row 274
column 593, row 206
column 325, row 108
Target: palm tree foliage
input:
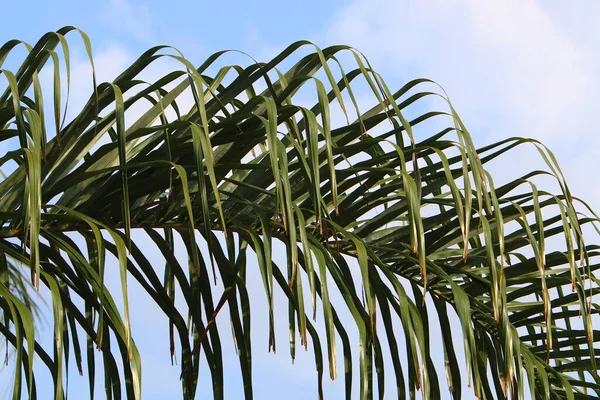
column 404, row 226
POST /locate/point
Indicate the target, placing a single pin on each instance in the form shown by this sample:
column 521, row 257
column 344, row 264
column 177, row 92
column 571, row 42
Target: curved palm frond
column 375, row 209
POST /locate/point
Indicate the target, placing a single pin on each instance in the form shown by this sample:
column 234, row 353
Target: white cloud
column 139, row 21
column 498, row 59
column 511, row 68
column 109, row 62
column 136, row 19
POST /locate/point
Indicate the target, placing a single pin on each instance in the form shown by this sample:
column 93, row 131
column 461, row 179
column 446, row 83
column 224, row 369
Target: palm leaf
column 387, row 211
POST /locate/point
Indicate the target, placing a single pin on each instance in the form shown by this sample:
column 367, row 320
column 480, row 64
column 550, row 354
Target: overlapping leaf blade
column 275, row 176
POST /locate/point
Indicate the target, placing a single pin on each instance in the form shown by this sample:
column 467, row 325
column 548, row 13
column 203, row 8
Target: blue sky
column 512, row 68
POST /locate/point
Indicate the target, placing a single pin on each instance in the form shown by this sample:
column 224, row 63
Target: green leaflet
column 362, row 209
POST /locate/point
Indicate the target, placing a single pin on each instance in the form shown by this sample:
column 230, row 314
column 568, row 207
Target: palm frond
column 387, row 211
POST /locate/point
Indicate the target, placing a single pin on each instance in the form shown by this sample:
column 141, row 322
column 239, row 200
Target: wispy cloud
column 503, row 58
column 511, row 68
column 136, row 20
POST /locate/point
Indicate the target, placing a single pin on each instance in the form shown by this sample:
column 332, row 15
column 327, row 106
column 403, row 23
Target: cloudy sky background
column 511, row 68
